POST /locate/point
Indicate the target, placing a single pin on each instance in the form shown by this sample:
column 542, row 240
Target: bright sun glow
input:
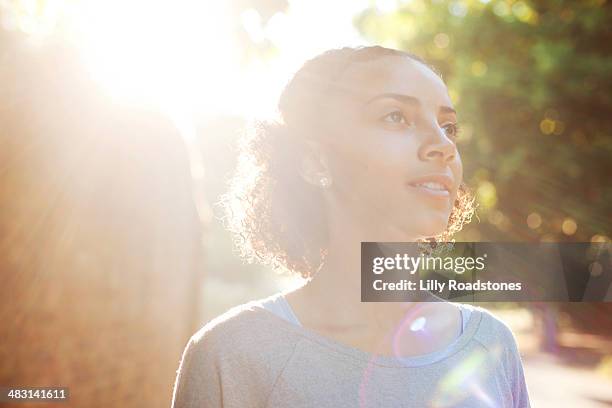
column 177, row 54
column 183, row 55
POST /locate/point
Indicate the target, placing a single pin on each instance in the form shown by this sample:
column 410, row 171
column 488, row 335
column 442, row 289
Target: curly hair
column 276, row 217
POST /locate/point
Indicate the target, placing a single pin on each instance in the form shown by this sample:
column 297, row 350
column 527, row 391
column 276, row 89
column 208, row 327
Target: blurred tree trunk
column 100, row 245
column 546, row 315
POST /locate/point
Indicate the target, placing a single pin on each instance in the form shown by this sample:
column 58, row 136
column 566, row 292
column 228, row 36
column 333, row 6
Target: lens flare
column 418, row 324
column 465, row 380
column 415, row 323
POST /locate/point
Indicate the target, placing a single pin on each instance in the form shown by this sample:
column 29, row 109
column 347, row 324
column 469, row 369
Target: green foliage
column 532, row 84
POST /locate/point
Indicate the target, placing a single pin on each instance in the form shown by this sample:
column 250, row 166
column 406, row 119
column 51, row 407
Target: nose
column 437, row 146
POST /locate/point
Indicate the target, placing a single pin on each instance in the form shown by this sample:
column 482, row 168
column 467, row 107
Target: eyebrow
column 407, row 99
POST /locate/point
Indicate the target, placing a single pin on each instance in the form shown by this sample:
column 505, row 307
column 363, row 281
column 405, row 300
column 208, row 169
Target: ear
column 314, row 165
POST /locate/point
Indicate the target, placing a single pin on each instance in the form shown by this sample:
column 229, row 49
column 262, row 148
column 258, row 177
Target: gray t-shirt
column 250, row 357
column 278, row 305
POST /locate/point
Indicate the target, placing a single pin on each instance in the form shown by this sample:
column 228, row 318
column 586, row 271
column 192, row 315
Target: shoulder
column 241, row 352
column 245, row 332
column 496, row 337
column 499, row 341
column 494, row 334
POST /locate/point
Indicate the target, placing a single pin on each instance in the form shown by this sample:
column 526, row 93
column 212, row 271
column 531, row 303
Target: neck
column 337, row 285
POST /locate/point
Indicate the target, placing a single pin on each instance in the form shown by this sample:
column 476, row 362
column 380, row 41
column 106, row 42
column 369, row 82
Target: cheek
column 374, row 162
column 457, row 169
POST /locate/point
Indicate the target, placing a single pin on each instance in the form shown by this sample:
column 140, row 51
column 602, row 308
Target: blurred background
column 118, row 123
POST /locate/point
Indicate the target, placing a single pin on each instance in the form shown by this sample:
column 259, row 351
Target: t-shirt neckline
column 379, row 359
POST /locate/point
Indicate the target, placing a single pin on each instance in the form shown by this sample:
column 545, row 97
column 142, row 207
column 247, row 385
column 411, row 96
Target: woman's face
column 393, row 157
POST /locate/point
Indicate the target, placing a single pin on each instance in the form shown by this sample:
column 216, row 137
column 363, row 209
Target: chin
column 432, row 227
column 408, row 229
column 410, row 232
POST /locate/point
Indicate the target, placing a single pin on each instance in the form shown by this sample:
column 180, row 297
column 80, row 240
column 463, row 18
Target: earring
column 325, row 181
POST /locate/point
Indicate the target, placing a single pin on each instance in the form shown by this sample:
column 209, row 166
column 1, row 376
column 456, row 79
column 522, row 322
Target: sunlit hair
column 276, row 217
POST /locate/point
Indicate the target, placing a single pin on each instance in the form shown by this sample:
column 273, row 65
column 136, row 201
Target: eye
column 451, row 130
column 396, row 117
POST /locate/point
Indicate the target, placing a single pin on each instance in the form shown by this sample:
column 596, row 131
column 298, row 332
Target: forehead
column 399, row 75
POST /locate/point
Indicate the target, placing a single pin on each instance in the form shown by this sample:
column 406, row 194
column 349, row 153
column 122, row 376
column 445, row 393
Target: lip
column 442, row 179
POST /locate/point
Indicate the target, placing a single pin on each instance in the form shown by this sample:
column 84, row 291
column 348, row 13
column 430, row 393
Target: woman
column 364, row 151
